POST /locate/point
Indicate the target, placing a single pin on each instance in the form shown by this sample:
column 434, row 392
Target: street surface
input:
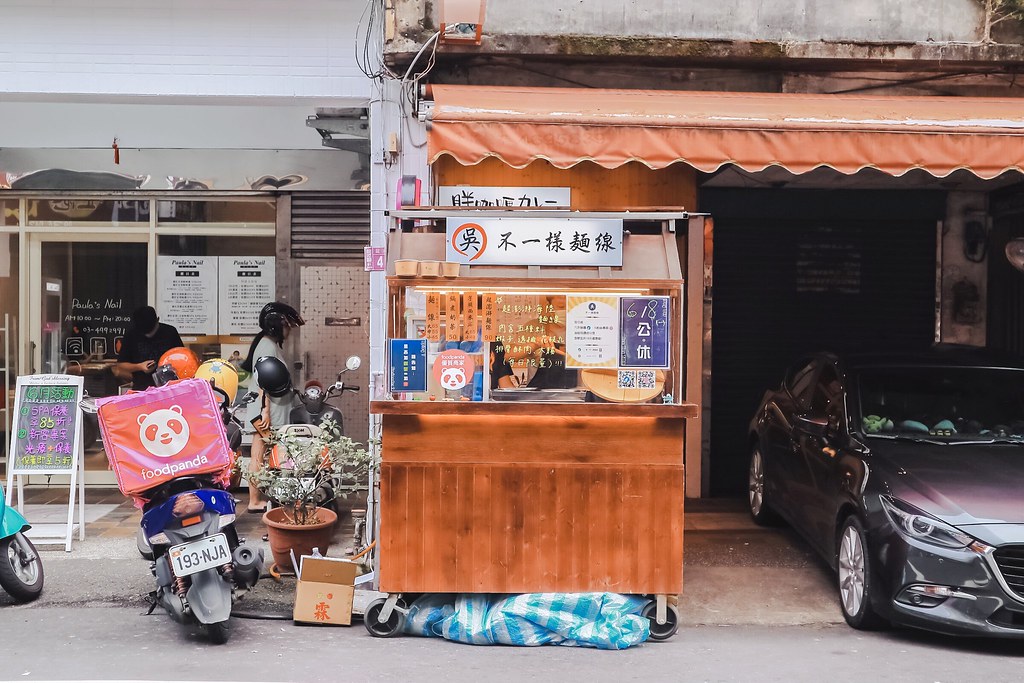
column 120, row 643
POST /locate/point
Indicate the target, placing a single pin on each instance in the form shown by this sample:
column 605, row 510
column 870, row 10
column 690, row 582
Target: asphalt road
column 120, row 643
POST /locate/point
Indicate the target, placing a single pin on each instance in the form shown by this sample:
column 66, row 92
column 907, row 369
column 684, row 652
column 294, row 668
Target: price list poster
column 46, row 439
column 247, row 284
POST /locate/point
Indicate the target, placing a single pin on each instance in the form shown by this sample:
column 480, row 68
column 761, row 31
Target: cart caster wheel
column 391, row 627
column 661, row 631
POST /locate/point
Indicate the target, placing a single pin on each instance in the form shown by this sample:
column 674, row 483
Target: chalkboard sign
column 46, row 424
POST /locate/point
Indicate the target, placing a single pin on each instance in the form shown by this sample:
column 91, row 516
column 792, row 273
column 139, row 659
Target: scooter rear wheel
column 19, row 576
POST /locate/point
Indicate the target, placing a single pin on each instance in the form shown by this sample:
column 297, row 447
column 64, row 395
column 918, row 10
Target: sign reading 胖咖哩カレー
column 644, row 326
column 247, row 284
column 512, row 197
column 187, row 290
column 534, row 241
column 45, row 424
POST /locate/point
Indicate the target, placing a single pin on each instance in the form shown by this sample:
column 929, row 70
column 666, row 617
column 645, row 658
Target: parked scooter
column 313, row 409
column 198, row 559
column 21, row 570
column 314, row 403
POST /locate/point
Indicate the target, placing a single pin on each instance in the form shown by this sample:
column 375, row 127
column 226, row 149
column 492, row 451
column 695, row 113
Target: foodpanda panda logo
column 453, row 378
column 164, row 432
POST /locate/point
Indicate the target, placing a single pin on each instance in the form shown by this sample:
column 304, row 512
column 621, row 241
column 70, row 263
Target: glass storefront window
column 9, row 211
column 240, row 213
column 71, row 211
column 562, row 345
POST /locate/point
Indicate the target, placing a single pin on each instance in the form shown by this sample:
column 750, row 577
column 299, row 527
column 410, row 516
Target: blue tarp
column 608, row 621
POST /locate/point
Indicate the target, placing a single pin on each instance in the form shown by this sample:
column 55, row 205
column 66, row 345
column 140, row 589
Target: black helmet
column 272, row 375
column 276, row 316
column 164, row 375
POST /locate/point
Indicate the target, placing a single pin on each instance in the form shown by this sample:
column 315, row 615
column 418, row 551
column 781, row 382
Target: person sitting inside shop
column 142, row 346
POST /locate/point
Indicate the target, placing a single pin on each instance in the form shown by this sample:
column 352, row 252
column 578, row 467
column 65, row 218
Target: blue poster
column 644, row 328
column 408, row 365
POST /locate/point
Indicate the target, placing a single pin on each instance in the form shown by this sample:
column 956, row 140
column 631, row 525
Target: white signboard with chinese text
column 247, row 284
column 534, row 241
column 591, row 331
column 518, row 197
column 187, row 288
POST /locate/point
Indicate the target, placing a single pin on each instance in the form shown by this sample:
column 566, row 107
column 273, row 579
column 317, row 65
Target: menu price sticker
column 452, row 317
column 469, row 316
column 433, row 317
column 489, row 304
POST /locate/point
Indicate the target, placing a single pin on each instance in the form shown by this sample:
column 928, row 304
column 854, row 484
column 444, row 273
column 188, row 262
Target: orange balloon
column 184, row 361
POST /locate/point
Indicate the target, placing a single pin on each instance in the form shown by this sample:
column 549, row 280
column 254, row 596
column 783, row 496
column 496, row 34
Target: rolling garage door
column 801, row 271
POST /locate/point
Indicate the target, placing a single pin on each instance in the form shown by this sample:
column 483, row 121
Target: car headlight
column 915, row 524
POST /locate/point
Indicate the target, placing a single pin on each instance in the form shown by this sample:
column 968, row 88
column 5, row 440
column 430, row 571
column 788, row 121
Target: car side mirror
column 814, row 426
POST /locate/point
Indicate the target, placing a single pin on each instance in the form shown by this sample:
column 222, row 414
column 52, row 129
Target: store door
column 82, row 292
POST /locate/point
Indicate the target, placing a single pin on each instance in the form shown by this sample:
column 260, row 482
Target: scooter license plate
column 197, row 556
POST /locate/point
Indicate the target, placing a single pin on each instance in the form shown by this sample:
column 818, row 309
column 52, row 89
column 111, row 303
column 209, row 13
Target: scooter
column 313, row 400
column 21, row 570
column 313, row 409
column 198, row 559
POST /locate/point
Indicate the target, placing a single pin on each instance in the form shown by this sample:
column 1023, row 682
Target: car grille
column 1010, row 560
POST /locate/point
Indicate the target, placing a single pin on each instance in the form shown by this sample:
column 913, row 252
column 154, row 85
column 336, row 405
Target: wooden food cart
column 546, row 492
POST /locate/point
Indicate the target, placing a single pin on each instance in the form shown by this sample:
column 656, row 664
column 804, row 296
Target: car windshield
column 950, row 404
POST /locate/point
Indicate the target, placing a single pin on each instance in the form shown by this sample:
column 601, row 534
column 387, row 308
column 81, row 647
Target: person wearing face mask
column 276, row 322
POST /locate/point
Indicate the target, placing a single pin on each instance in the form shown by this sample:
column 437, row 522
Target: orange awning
column 709, row 129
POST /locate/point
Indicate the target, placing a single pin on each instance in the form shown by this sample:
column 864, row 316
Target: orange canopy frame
column 707, row 130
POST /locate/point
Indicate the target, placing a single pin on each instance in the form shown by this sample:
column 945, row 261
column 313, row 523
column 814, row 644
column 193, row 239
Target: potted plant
column 306, row 469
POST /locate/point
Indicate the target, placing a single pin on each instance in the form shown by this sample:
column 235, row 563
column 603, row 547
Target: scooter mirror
column 353, row 363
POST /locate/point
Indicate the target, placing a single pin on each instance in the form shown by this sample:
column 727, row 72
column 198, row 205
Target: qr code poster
column 627, row 379
column 645, row 379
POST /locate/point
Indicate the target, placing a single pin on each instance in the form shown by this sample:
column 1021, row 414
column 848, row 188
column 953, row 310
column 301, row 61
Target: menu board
column 186, row 287
column 247, row 284
column 592, row 331
column 645, row 327
column 46, row 424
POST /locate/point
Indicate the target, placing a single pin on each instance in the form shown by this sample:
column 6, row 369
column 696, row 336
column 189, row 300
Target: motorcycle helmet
column 164, row 374
column 276, row 316
column 272, row 376
column 222, row 374
column 184, row 361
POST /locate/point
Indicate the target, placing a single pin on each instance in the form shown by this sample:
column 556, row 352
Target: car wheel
column 757, row 499
column 855, row 577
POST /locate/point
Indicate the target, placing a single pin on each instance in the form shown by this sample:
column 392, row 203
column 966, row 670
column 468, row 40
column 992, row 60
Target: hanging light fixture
column 1015, row 253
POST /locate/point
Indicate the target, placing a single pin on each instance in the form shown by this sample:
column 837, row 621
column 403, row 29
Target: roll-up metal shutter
column 797, row 272
column 330, row 225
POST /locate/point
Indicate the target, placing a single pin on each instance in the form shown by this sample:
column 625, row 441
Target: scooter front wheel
column 218, row 633
column 21, row 571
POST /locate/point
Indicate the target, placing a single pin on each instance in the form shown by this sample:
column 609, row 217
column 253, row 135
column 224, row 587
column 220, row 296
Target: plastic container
column 430, row 268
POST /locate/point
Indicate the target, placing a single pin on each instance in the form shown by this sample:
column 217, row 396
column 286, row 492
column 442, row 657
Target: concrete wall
column 266, row 48
column 747, row 20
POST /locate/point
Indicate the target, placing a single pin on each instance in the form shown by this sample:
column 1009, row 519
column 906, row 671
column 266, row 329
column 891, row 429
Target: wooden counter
column 529, row 497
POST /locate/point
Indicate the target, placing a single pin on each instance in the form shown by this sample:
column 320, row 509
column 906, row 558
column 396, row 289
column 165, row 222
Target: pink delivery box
column 163, row 433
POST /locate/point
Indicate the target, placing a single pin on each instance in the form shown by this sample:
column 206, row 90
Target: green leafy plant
column 310, row 471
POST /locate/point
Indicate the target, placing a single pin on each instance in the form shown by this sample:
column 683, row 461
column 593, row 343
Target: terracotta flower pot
column 285, row 536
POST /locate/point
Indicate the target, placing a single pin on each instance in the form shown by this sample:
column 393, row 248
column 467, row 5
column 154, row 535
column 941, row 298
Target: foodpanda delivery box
column 163, row 433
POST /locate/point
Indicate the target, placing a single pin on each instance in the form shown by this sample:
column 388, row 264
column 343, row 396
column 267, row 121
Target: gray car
column 906, row 473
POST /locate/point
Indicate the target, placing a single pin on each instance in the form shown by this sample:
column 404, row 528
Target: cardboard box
column 324, row 591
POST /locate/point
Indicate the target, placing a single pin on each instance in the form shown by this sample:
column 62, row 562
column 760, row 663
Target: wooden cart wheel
column 386, row 629
column 661, row 631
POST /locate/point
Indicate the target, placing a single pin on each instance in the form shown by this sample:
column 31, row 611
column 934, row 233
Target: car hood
column 960, row 484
